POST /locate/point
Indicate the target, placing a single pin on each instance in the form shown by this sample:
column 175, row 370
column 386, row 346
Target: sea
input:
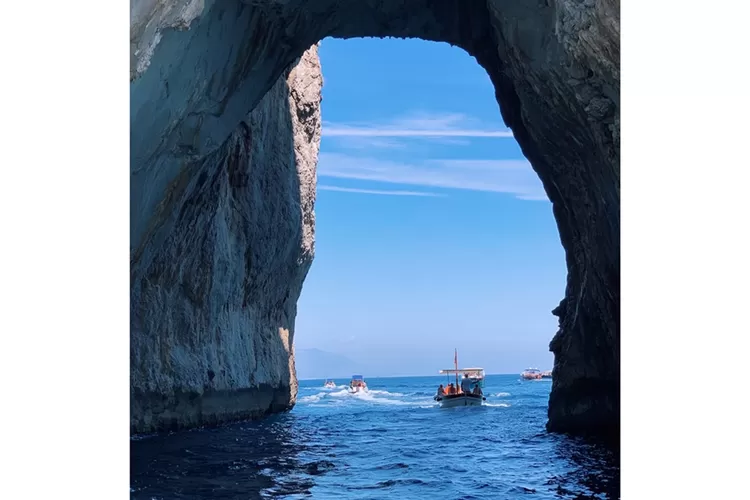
column 391, row 442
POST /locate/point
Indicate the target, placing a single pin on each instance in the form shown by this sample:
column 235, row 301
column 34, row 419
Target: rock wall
column 216, row 279
column 199, row 67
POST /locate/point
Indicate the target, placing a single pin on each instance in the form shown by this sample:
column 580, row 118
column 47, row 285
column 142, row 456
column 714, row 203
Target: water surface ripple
column 390, row 443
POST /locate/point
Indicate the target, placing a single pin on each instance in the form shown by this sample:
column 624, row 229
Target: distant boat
column 547, row 374
column 531, row 374
column 357, row 384
column 460, row 398
column 330, row 384
column 476, row 375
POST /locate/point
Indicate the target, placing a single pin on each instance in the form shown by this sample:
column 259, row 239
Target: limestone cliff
column 216, row 278
column 199, row 66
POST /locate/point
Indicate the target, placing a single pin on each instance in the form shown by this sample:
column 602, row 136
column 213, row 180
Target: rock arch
column 221, row 201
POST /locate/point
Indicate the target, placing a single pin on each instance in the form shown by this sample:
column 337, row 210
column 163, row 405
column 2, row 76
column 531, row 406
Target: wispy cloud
column 371, row 131
column 416, row 126
column 514, row 177
column 365, row 142
column 533, row 197
column 375, row 191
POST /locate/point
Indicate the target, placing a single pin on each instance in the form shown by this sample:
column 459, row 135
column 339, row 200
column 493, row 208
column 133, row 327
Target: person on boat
column 477, row 390
column 466, row 384
column 451, row 389
column 441, row 390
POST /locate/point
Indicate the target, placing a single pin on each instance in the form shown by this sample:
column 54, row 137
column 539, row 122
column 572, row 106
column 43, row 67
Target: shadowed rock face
column 215, row 280
column 200, row 303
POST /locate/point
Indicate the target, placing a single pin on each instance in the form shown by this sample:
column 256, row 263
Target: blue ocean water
column 392, row 442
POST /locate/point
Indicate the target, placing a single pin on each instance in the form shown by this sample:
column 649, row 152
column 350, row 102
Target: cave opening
column 431, row 227
column 217, row 260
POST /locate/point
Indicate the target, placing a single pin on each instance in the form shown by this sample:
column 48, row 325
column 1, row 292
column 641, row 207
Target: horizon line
column 399, row 376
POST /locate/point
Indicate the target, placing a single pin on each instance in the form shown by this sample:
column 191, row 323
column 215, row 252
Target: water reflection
column 593, row 469
column 252, row 460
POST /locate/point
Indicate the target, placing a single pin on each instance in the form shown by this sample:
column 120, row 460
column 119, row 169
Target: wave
column 339, row 394
column 388, row 484
column 414, row 397
column 385, row 393
column 375, row 396
column 313, row 398
column 372, row 396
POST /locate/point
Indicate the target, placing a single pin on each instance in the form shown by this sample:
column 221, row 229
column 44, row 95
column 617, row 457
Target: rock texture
column 555, row 68
column 216, row 279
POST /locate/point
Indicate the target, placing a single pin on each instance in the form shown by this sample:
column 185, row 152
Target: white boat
column 531, row 374
column 330, row 384
column 460, row 398
column 357, row 384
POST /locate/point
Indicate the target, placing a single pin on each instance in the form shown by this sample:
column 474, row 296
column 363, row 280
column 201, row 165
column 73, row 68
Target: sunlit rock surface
column 198, row 68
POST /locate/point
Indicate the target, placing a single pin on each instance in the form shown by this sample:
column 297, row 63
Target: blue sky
column 433, row 231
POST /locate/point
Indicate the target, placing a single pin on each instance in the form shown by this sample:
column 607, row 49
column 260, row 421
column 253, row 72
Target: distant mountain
column 317, row 364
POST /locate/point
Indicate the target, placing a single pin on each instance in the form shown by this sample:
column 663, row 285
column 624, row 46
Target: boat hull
column 460, row 400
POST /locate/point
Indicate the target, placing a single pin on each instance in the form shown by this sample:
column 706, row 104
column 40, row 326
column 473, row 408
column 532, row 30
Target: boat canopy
column 464, row 370
column 357, row 377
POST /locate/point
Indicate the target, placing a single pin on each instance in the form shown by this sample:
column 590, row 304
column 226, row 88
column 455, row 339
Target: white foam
column 498, row 405
column 502, row 394
column 384, row 393
column 374, row 396
column 314, row 398
column 338, row 394
column 371, row 396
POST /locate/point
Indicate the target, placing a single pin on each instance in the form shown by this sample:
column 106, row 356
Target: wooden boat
column 461, row 398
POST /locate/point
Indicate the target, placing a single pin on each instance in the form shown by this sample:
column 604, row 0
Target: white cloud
column 533, row 197
column 375, row 191
column 416, row 126
column 514, row 177
column 373, row 131
column 365, row 142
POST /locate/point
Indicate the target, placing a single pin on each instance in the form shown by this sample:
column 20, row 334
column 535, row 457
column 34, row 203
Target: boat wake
column 418, row 399
column 385, row 393
column 375, row 396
